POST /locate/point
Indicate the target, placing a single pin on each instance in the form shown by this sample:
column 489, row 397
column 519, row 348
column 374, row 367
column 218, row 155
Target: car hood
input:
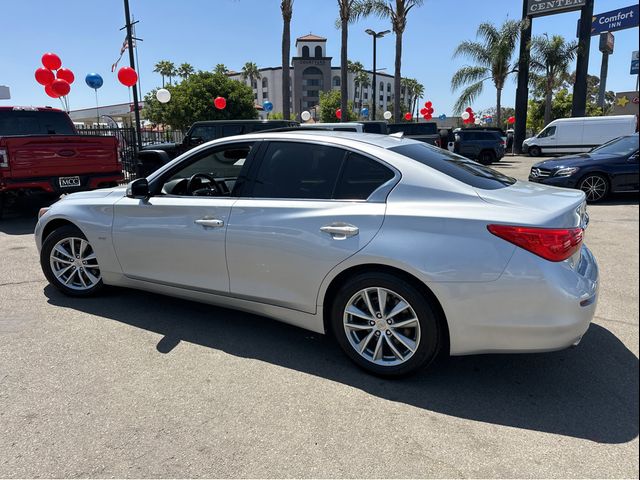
column 580, row 160
column 101, row 193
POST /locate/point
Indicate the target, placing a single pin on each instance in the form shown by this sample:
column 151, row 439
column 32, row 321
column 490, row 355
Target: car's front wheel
column 535, row 151
column 385, row 324
column 595, row 187
column 69, row 262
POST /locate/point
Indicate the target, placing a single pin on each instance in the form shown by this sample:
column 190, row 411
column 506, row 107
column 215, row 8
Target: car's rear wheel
column 487, row 157
column 535, row 151
column 69, row 262
column 385, row 324
column 595, row 187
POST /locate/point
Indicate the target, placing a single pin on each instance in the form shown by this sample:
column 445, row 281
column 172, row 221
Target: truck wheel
column 534, row 151
column 385, row 324
column 69, row 262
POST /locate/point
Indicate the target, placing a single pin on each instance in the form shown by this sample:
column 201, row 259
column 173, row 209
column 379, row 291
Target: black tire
column 58, row 235
column 429, row 338
column 595, row 186
column 535, row 151
column 487, row 157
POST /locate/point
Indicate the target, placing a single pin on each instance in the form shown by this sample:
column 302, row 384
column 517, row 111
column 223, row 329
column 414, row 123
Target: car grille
column 540, row 173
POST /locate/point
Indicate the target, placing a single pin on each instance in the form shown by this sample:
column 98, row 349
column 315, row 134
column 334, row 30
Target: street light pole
column 374, row 98
column 132, row 63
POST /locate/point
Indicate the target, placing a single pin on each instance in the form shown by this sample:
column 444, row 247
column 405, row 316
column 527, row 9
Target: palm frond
column 474, row 51
column 469, row 74
column 467, row 96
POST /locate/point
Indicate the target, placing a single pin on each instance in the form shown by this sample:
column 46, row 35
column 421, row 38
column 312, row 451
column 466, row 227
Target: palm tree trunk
column 343, row 70
column 286, row 60
column 397, row 78
column 498, row 107
column 162, row 81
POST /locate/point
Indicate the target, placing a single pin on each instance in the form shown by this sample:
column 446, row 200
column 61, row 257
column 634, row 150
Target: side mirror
column 139, row 188
column 633, row 158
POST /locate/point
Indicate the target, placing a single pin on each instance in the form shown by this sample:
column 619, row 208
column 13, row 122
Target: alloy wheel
column 74, row 264
column 381, row 326
column 594, row 187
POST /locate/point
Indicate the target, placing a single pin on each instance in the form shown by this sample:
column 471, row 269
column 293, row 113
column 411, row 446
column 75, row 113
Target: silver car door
column 281, row 246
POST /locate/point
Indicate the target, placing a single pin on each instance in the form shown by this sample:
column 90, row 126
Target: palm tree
column 184, row 70
column 163, row 67
column 354, row 68
column 361, row 81
column 170, row 71
column 493, row 57
column 350, row 11
column 397, row 11
column 550, row 60
column 221, row 69
column 250, row 71
column 286, row 7
column 418, row 92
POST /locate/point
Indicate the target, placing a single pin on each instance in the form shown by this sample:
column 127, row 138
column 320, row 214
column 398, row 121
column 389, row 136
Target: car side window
column 229, row 130
column 298, row 170
column 205, row 133
column 547, row 132
column 361, row 176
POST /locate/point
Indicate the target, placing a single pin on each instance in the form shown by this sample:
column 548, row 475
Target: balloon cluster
column 427, row 110
column 511, row 120
column 487, row 119
column 56, row 84
column 468, row 116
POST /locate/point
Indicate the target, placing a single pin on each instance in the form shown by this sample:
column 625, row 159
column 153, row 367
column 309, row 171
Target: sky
column 86, row 35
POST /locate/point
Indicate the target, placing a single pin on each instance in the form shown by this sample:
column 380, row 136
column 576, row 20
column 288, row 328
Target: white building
column 311, row 72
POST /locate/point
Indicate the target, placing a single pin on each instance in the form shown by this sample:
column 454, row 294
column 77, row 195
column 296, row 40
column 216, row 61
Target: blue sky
column 206, row 32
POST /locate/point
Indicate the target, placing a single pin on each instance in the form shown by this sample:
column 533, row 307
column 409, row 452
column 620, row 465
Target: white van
column 579, row 134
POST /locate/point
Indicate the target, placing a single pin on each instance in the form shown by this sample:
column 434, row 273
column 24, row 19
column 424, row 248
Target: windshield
column 28, row 122
column 622, row 146
column 455, row 166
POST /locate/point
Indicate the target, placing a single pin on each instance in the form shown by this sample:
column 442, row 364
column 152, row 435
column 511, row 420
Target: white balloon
column 465, row 115
column 305, row 116
column 387, row 115
column 163, row 95
column 478, row 121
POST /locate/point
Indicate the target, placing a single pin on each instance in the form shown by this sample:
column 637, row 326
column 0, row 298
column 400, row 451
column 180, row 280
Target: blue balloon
column 364, row 112
column 267, row 105
column 442, row 117
column 93, row 80
column 488, row 119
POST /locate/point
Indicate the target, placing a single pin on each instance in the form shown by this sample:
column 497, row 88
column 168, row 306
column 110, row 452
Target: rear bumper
column 51, row 185
column 535, row 306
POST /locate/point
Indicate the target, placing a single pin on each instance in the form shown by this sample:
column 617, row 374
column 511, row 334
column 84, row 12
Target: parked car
column 41, row 152
column 399, row 249
column 336, row 126
column 579, row 134
column 375, row 126
column 426, row 132
column 610, row 168
column 483, row 145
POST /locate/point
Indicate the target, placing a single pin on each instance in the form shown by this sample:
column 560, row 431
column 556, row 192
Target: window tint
column 219, row 163
column 298, row 170
column 547, row 132
column 205, row 133
column 455, row 166
column 360, row 177
column 619, row 146
column 414, row 128
column 22, row 122
column 228, row 130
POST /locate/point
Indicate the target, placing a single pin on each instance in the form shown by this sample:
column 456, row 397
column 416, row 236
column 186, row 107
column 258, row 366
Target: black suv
column 482, row 145
column 424, row 131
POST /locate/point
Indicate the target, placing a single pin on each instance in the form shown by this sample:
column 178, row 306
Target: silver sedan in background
column 401, row 250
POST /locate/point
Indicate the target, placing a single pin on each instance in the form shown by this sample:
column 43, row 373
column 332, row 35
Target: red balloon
column 428, row 104
column 469, row 109
column 44, row 76
column 51, row 61
column 408, row 116
column 61, row 87
column 66, row 74
column 511, row 120
column 339, row 113
column 429, row 117
column 220, row 103
column 430, row 110
column 424, row 111
column 127, row 76
column 49, row 91
column 425, row 116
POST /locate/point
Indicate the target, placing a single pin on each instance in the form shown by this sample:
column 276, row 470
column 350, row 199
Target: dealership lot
column 134, row 384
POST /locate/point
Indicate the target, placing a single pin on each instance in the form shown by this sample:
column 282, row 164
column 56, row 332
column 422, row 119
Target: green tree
column 329, row 103
column 361, row 82
column 251, row 72
column 493, row 56
column 286, row 8
column 593, row 86
column 192, row 100
column 505, row 113
column 414, row 91
column 184, row 70
column 165, row 68
column 221, row 69
column 560, row 108
column 397, row 11
column 550, row 60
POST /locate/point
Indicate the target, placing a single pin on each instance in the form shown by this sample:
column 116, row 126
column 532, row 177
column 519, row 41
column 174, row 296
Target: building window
column 382, row 86
column 366, row 95
column 389, row 87
column 336, row 81
column 318, row 51
column 305, row 51
column 312, row 77
column 254, row 84
column 265, row 83
column 313, row 93
column 312, row 82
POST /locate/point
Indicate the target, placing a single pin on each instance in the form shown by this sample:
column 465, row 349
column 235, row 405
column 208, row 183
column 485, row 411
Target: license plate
column 66, row 182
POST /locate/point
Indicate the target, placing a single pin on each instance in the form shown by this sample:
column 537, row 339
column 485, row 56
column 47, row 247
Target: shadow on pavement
column 20, row 218
column 589, row 392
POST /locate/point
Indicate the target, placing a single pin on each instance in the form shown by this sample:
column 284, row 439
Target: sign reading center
column 537, row 8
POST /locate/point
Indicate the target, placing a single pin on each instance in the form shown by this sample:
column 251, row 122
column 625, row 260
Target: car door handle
column 210, row 222
column 340, row 231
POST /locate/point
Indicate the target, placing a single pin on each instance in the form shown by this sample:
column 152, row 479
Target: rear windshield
column 414, row 128
column 619, row 146
column 375, row 128
column 23, row 122
column 455, row 166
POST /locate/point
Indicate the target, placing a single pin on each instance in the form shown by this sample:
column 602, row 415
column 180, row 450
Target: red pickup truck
column 41, row 152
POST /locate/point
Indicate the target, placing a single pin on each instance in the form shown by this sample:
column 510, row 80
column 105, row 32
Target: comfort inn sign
column 537, row 8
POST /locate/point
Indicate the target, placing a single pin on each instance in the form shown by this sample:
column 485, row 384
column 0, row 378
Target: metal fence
column 128, row 146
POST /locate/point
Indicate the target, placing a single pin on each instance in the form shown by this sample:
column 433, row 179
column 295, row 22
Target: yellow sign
column 623, row 100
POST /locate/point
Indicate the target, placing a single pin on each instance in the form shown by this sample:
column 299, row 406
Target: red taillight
column 554, row 244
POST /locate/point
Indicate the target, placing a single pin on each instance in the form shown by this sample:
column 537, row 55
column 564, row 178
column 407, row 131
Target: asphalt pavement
column 132, row 384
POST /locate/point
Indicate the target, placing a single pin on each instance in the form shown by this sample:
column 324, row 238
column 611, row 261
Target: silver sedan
column 401, row 250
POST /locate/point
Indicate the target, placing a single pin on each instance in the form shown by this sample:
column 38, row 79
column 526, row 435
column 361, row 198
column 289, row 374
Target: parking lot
column 132, row 384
